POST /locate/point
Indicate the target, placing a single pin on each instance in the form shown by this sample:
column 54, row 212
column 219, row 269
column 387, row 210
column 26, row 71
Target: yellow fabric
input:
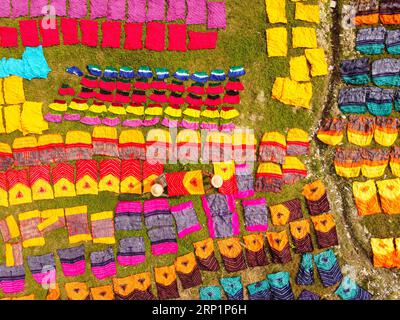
column 277, row 42
column 389, row 192
column 12, row 118
column 41, row 190
column 225, row 169
column 269, row 168
column 124, row 286
column 279, row 214
column 109, row 183
column 292, row 92
column 188, row 136
column 374, row 170
column 193, row 182
column 131, row 185
column 2, row 127
column 275, row 137
column 158, row 135
column 12, row 227
column 79, row 238
column 304, row 37
column 54, row 293
column 254, row 242
column 383, row 252
column 48, row 139
column 74, row 137
column 47, row 223
column 3, row 198
column 204, row 248
column 293, row 163
column 142, row 281
column 278, row 240
column 13, row 90
column 219, row 138
column 128, row 136
column 156, row 110
column 135, row 110
column 77, row 290
column 297, row 135
column 210, row 113
column 299, row 229
column 105, row 132
column 64, row 188
column 78, row 106
column 245, row 137
column 5, row 148
column 314, row 191
column 317, row 59
column 9, row 255
column 191, row 112
column 366, row 198
column 165, row 275
column 323, row 222
column 230, row 248
column 276, row 11
column 98, row 108
column 29, row 215
column 25, row 142
column 86, row 185
column 102, row 215
column 299, row 69
column 32, row 120
column 116, row 110
column 57, row 106
column 229, row 113
column 307, row 12
column 19, row 194
column 1, row 92
column 173, row 112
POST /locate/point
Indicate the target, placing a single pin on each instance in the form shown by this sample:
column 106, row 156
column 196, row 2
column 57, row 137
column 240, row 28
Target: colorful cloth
column 188, row 271
column 28, row 224
column 217, row 147
column 151, row 171
column 77, row 224
column 255, row 250
column 244, row 146
column 380, row 101
column 316, row 198
column 77, row 291
column 305, row 274
column 232, row 254
column 348, row 162
column 51, row 219
column 39, row 180
column 102, row 293
column 105, row 141
column 3, row 190
column 366, row 198
column 389, row 194
column 131, row 177
column 375, row 162
column 281, row 288
column 353, row 100
column 185, row 183
column 216, row 15
column 167, row 287
column 394, row 161
column 134, row 287
column 244, row 181
column 188, row 145
column 255, row 214
column 131, row 251
column 384, row 254
column 110, row 175
column 276, row 11
column 72, row 261
column 293, row 170
column 292, row 93
column 371, row 40
column 9, row 228
column 277, row 39
column 308, row 295
column 78, row 145
column 325, row 229
column 19, row 191
column 196, row 12
column 176, row 10
column 356, row 71
column 131, row 145
column 12, row 279
column 86, row 177
column 260, row 290
column 392, row 41
column 103, row 227
column 158, row 144
column 350, row 290
column 185, row 218
column 389, row 12
column 232, row 287
column 328, row 268
column 204, row 251
column 386, row 131
column 25, row 152
column 128, row 216
column 103, row 263
column 280, row 247
column 286, row 212
column 298, row 142
column 51, row 148
column 367, row 12
column 64, row 180
column 14, row 255
column 210, row 293
column 269, row 178
column 385, row 72
column 301, row 235
column 273, row 148
column 6, row 156
column 43, row 268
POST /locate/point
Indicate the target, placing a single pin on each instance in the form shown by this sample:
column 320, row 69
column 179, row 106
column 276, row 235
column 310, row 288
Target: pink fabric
column 90, row 32
column 106, row 271
column 5, row 9
column 254, row 202
column 182, row 206
column 244, row 194
column 190, row 230
column 111, row 34
column 202, row 40
column 216, row 15
column 74, row 269
column 50, row 37
column 136, row 11
column 77, row 8
column 20, row 8
column 69, row 30
column 155, row 36
column 36, row 7
column 11, row 287
column 45, row 277
column 207, row 211
column 131, row 261
column 257, row 228
column 177, row 37
column 29, row 33
column 235, row 216
column 176, row 10
column 116, row 9
column 128, row 206
column 60, row 6
column 164, row 248
column 154, row 204
column 98, row 9
column 133, row 36
column 196, row 12
column 155, row 10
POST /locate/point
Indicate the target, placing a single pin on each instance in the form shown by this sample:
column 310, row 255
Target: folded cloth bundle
column 232, row 254
column 188, row 271
column 185, row 218
column 269, row 178
column 305, row 274
column 386, row 72
column 348, row 162
column 316, row 197
column 131, row 251
column 325, row 229
column 128, row 216
column 255, row 250
column 331, row 131
column 255, row 214
column 286, row 212
column 167, row 287
column 371, row 40
column 280, row 247
column 301, row 235
column 232, row 287
column 328, row 268
column 103, row 263
column 350, row 290
column 51, row 148
column 73, row 261
column 273, row 148
column 356, row 71
column 281, row 288
column 353, row 100
column 260, row 290
column 43, row 268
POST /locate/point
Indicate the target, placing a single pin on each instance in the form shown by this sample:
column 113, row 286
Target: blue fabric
column 305, row 275
column 259, row 291
column 32, row 65
column 233, row 287
column 380, row 101
column 235, row 72
column 397, row 101
column 350, row 290
column 359, row 79
column 308, row 295
column 328, row 268
column 371, row 40
column 200, row 77
column 75, row 70
column 370, row 48
column 280, row 286
column 210, row 293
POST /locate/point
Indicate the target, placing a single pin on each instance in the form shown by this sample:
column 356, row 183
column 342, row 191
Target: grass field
column 243, row 43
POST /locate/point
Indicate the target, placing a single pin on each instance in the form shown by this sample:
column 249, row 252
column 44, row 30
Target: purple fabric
column 72, row 116
column 216, row 15
column 5, row 8
column 77, row 8
column 20, row 8
column 111, row 122
column 91, row 121
column 176, row 10
column 55, row 118
column 37, row 6
column 155, row 10
column 60, row 6
column 196, row 12
column 136, row 11
column 98, row 9
column 132, row 123
column 116, row 9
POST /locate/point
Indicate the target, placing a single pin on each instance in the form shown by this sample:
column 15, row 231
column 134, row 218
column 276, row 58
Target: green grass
column 243, row 43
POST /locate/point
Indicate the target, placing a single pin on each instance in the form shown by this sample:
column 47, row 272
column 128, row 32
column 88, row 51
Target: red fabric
column 29, row 33
column 17, row 176
column 111, row 34
column 202, row 40
column 8, row 37
column 110, row 167
column 175, row 184
column 177, row 37
column 39, row 172
column 90, row 32
column 86, row 168
column 63, row 171
column 155, row 37
column 133, row 36
column 69, row 29
column 50, row 36
column 131, row 168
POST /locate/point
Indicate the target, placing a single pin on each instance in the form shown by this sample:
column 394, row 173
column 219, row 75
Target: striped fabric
column 158, row 145
column 204, row 251
column 131, row 177
column 188, row 143
column 103, row 227
column 77, row 224
column 316, row 198
column 325, row 229
column 280, row 247
column 269, row 178
column 64, row 180
column 255, row 250
column 167, row 287
column 151, row 171
column 232, row 287
column 217, row 147
column 244, row 180
column 124, row 288
column 367, row 12
column 105, row 141
column 14, row 255
column 142, row 287
column 244, row 146
column 386, row 132
column 39, row 180
column 331, row 131
column 350, row 290
column 110, row 175
column 9, row 228
column 128, row 216
column 19, row 191
column 259, row 290
column 77, row 291
column 186, row 219
column 226, row 170
column 78, row 145
column 308, row 295
column 281, row 288
column 131, row 251
column 102, row 293
column 73, row 261
column 298, row 142
column 6, row 156
column 273, row 148
column 103, row 263
column 348, row 162
column 286, row 212
column 375, row 161
column 255, row 214
column 328, row 268
column 3, row 190
column 305, row 274
column 86, row 177
column 12, row 279
column 232, row 254
column 51, row 148
column 185, row 183
column 51, row 219
column 301, row 235
column 43, row 268
column 293, row 170
column 360, row 130
column 188, row 271
column 28, row 224
column 26, row 152
column 131, row 145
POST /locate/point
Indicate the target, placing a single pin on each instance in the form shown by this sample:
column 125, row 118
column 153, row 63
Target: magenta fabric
column 133, row 36
column 37, row 6
column 98, row 8
column 164, row 248
column 50, row 37
column 44, row 277
column 90, row 32
column 77, row 8
column 116, row 9
column 20, row 8
column 130, row 261
column 202, row 40
column 176, row 10
column 177, row 37
column 111, row 32
column 196, row 12
column 74, row 269
column 60, row 6
column 155, row 10
column 12, row 286
column 155, row 36
column 216, row 15
column 106, row 271
column 69, row 30
column 136, row 11
column 29, row 32
column 5, row 8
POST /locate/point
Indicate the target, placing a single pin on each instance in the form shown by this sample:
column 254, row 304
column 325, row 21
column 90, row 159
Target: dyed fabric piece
column 43, row 268
column 186, row 219
column 216, row 15
column 131, row 177
column 77, row 291
column 78, row 145
column 105, row 141
column 232, row 254
column 304, row 37
column 13, row 90
column 103, row 227
column 51, row 148
column 317, row 59
column 50, row 36
column 389, row 193
column 176, row 10
column 244, row 148
column 281, row 288
column 277, row 42
column 286, row 212
column 380, row 101
column 269, row 178
column 14, row 255
column 299, row 70
column 328, row 268
column 255, row 214
column 280, row 247
column 308, row 295
column 131, row 251
column 89, row 32
column 31, row 236
column 77, row 224
column 371, row 40
column 128, row 216
column 132, row 145
column 389, row 12
column 210, row 293
column 155, row 36
column 386, row 132
column 151, row 171
column 383, row 252
column 355, row 71
column 29, row 32
column 12, row 279
column 133, row 36
column 367, row 12
column 305, row 274
column 244, row 181
column 218, row 147
column 102, row 293
column 20, row 8
column 167, row 287
column 301, row 235
column 395, row 161
column 188, row 271
column 158, row 142
column 116, row 9
column 202, row 40
column 155, row 10
column 232, row 287
column 188, row 146
column 350, row 290
column 393, row 41
column 276, row 11
column 325, row 229
column 12, row 119
column 360, row 130
column 185, row 183
column 353, row 100
column 9, row 228
column 39, row 180
column 293, row 170
column 77, row 8
column 331, row 131
column 196, row 12
column 86, row 177
column 386, row 72
column 375, row 162
column 103, row 263
column 259, row 290
column 98, row 9
column 110, row 173
column 226, row 170
column 292, row 93
column 348, row 162
column 134, row 287
column 9, row 37
column 19, row 191
column 51, row 219
column 255, row 250
column 32, row 120
column 111, row 32
column 307, row 12
column 136, row 11
column 60, row 6
column 316, row 198
column 177, row 37
column 25, row 152
column 36, row 7
column 64, row 180
column 222, row 218
column 298, row 142
column 6, row 156
column 205, row 255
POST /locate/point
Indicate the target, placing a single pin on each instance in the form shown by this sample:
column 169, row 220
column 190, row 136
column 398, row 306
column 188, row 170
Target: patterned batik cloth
column 255, row 214
column 286, row 212
column 103, row 263
column 73, row 261
column 78, row 145
column 308, row 295
column 280, row 247
column 110, row 175
column 151, row 171
column 63, row 175
column 12, row 279
column 51, row 148
column 77, row 224
column 205, row 254
column 14, row 256
column 281, row 288
column 255, row 250
column 389, row 195
column 131, row 251
column 28, row 224
column 269, row 178
column 316, row 198
column 210, row 293
column 39, row 180
column 87, row 177
column 232, row 287
column 232, row 254
column 366, row 198
column 186, row 219
column 244, row 180
column 325, row 229
column 260, row 290
column 51, row 219
column 128, row 216
column 305, row 274
column 103, row 227
column 331, row 131
column 350, row 290
column 328, row 268
column 188, row 271
column 167, row 287
column 348, row 162
column 185, row 183
column 301, row 235
column 131, row 145
column 3, row 190
column 9, row 228
column 105, row 141
column 6, row 157
column 26, row 152
column 43, row 268
column 19, row 191
column 77, row 291
column 226, row 170
column 273, row 148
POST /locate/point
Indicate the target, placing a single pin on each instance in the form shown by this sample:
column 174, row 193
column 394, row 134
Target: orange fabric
column 77, row 290
column 165, row 275
column 185, row 264
column 278, row 240
column 324, row 222
column 299, row 229
column 141, row 281
column 314, row 191
column 203, row 249
column 54, row 293
column 383, row 252
column 102, row 293
column 254, row 242
column 230, row 248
